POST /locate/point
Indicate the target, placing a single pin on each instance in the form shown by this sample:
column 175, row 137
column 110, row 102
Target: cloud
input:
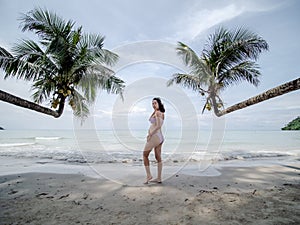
column 100, row 113
column 200, row 18
column 137, row 109
column 197, row 21
column 262, row 5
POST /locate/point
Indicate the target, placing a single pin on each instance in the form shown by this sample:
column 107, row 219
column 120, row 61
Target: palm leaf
column 186, row 80
column 43, row 88
column 32, row 60
column 100, row 77
column 45, row 24
column 94, row 46
column 189, row 57
column 81, row 109
column 244, row 71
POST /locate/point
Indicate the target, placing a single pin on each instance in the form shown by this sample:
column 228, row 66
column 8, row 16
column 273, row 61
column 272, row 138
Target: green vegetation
column 293, row 125
column 65, row 65
column 229, row 57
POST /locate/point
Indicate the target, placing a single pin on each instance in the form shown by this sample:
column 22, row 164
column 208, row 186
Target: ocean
column 117, row 154
column 107, row 146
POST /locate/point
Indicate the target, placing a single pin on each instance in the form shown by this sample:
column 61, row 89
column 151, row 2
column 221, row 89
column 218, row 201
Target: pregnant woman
column 155, row 140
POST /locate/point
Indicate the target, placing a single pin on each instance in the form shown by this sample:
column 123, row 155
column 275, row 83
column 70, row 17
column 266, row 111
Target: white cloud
column 197, row 21
column 262, row 5
column 137, row 109
column 100, row 113
column 200, row 18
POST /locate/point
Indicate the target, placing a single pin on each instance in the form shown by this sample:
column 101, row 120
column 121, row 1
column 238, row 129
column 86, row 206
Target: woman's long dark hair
column 160, row 105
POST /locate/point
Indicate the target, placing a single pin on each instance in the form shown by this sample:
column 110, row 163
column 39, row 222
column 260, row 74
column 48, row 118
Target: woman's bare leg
column 147, row 166
column 154, row 141
column 157, row 151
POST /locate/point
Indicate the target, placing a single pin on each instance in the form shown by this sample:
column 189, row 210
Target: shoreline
column 239, row 195
column 131, row 172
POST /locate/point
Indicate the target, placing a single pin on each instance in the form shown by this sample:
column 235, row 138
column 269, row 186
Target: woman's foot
column 148, row 179
column 156, row 181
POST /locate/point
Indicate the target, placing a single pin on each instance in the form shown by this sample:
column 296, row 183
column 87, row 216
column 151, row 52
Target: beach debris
column 231, row 193
column 41, row 194
column 85, row 196
column 77, row 202
column 99, row 207
column 12, row 191
column 64, row 196
column 205, row 191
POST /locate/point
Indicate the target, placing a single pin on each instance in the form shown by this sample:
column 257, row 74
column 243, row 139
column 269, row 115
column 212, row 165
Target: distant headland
column 1, row 128
column 293, row 125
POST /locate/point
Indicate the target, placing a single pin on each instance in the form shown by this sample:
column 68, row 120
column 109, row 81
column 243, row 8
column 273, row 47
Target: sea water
column 108, row 146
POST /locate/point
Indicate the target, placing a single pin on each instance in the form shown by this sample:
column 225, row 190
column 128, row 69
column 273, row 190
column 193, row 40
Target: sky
column 144, row 33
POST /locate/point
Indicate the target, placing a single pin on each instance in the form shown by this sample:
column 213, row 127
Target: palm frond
column 248, row 43
column 7, row 60
column 92, row 41
column 4, row 53
column 240, row 45
column 213, row 47
column 226, row 48
column 45, row 24
column 186, row 80
column 29, row 61
column 21, row 69
column 100, row 77
column 189, row 57
column 43, row 88
column 107, row 57
column 197, row 65
column 93, row 44
column 244, row 71
column 81, row 109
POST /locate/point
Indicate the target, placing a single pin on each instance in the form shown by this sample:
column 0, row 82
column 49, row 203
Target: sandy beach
column 240, row 195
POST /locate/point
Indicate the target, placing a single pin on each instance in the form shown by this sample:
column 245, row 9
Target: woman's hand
column 149, row 137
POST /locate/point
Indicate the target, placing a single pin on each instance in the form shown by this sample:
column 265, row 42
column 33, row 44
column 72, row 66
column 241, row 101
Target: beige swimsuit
column 158, row 133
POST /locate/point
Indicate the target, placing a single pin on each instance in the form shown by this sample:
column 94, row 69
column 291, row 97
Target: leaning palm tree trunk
column 6, row 97
column 274, row 92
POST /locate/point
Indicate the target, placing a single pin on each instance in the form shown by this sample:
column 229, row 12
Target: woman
column 155, row 140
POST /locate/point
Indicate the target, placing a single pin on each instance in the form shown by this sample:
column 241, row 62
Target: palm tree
column 9, row 98
column 65, row 65
column 228, row 58
column 271, row 93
